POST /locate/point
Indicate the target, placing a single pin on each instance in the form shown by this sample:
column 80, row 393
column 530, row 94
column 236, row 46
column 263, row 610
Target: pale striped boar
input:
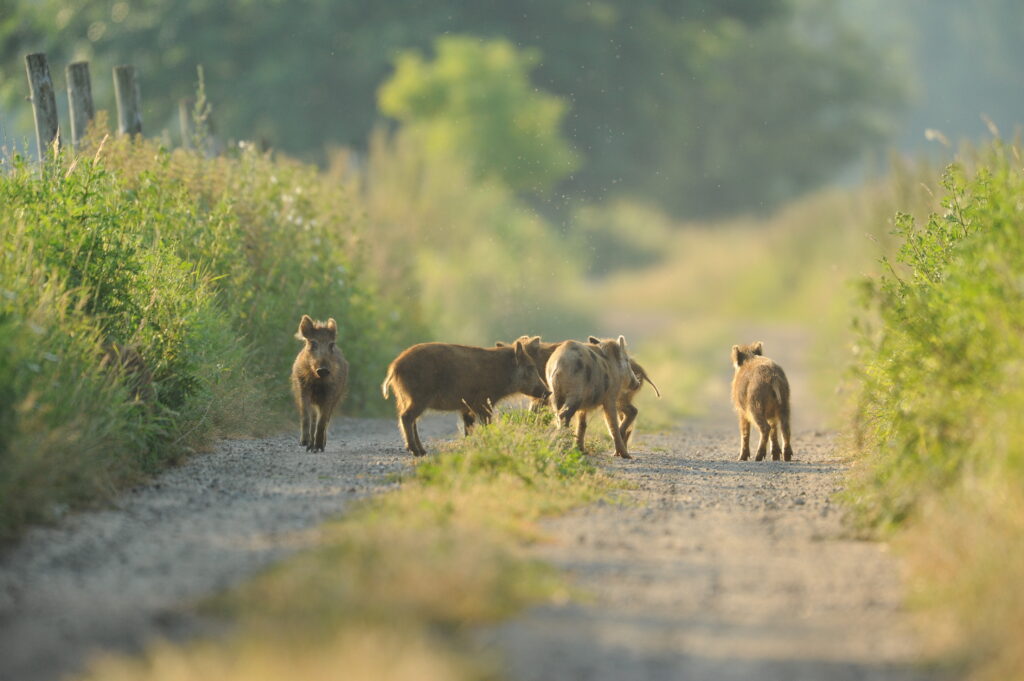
column 760, row 394
column 585, row 376
column 461, row 378
column 319, row 380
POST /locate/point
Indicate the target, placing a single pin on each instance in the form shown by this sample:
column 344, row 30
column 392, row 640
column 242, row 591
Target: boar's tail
column 648, row 379
column 385, row 387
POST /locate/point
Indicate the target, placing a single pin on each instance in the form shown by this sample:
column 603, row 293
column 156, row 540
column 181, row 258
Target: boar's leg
column 581, row 431
column 629, row 413
column 324, row 419
column 305, row 422
column 787, row 447
column 762, row 444
column 407, row 424
column 744, row 437
column 611, row 419
column 773, row 436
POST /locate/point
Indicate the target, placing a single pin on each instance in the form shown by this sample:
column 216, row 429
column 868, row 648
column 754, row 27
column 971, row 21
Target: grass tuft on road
column 388, row 591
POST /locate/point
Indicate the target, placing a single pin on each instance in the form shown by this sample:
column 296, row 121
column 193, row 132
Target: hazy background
column 702, row 107
column 693, row 173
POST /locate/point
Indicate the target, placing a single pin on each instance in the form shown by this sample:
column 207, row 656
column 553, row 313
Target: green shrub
column 201, row 266
column 941, row 368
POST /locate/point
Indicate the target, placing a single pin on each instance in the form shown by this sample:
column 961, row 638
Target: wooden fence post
column 80, row 106
column 129, row 102
column 44, row 103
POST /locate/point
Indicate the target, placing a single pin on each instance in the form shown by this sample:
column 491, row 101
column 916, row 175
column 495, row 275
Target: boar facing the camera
column 319, row 380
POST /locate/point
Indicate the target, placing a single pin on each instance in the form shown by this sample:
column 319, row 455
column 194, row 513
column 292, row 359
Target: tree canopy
column 704, row 106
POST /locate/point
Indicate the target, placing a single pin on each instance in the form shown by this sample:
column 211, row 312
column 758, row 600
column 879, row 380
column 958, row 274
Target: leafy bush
column 941, row 365
column 203, row 268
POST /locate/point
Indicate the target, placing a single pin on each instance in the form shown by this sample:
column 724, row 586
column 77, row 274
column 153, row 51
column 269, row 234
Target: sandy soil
column 715, row 570
column 114, row 579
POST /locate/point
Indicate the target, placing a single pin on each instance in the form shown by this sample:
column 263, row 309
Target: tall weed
column 941, row 369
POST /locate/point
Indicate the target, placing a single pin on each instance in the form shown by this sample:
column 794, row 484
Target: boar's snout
column 541, row 393
column 322, row 372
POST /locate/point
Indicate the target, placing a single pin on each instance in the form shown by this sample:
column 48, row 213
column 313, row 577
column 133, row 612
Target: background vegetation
column 683, row 102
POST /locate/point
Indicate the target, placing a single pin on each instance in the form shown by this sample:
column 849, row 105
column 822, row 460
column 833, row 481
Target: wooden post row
column 44, row 104
column 80, row 106
column 129, row 107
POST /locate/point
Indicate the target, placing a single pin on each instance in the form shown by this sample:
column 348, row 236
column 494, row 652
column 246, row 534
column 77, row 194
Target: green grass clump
column 204, row 267
column 941, row 368
column 393, row 585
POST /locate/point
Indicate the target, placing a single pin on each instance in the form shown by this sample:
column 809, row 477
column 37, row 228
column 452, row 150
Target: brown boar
column 461, row 378
column 760, row 393
column 585, row 376
column 540, row 352
column 319, row 380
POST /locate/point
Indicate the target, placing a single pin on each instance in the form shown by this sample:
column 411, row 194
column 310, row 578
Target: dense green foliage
column 202, row 266
column 939, row 422
column 940, row 369
column 703, row 106
column 475, row 100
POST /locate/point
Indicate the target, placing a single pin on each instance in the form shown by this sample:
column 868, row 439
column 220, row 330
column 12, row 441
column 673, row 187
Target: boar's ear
column 593, row 340
column 737, row 356
column 534, row 343
column 332, row 326
column 305, row 327
column 758, row 348
column 499, row 344
column 520, row 353
column 622, row 343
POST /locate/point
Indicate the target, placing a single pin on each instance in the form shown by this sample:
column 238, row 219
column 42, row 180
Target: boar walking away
column 585, row 376
column 540, row 352
column 760, row 393
column 319, row 380
column 461, row 378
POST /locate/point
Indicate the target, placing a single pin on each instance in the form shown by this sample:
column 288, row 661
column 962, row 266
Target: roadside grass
column 391, row 590
column 203, row 267
column 938, row 425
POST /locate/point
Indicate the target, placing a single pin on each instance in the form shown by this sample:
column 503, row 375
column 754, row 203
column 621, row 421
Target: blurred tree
column 475, row 100
column 672, row 100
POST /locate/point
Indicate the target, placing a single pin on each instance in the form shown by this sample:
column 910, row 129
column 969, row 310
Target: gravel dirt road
column 116, row 578
column 713, row 569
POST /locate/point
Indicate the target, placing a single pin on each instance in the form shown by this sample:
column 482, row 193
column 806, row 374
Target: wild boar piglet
column 319, row 380
column 760, row 394
column 461, row 378
column 586, row 376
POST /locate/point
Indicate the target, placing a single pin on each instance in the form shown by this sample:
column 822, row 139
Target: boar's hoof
column 624, row 455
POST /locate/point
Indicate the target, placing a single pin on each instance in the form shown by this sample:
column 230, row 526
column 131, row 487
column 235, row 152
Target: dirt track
column 114, row 579
column 715, row 570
